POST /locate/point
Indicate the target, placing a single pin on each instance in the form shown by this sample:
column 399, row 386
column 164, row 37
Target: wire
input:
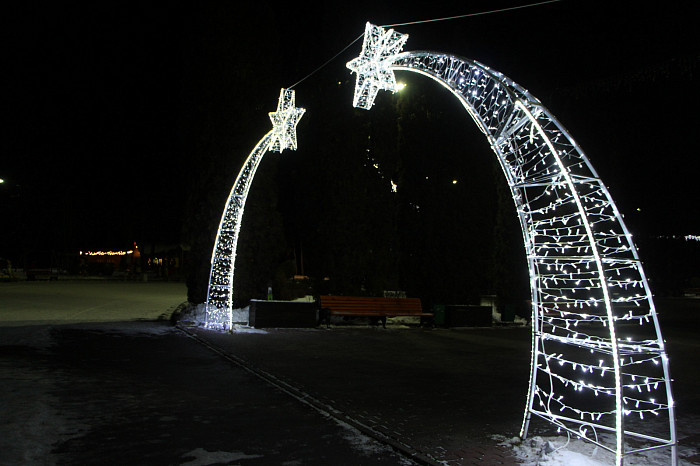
column 472, row 14
column 420, row 22
column 327, row 62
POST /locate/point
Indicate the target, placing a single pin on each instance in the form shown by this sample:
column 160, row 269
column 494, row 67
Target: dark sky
column 100, row 95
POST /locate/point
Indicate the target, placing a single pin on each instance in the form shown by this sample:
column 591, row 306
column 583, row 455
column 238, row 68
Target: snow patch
column 133, row 328
column 37, row 336
column 196, row 315
column 246, row 329
column 365, row 444
column 557, row 451
column 29, row 421
column 203, row 457
column 561, row 451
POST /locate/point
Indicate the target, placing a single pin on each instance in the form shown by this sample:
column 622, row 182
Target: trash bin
column 468, row 316
column 508, row 313
column 438, row 314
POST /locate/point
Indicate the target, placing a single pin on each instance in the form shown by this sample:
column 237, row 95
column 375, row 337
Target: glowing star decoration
column 284, row 122
column 379, row 49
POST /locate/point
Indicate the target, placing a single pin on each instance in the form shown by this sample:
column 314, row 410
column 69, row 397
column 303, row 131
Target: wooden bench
column 377, row 308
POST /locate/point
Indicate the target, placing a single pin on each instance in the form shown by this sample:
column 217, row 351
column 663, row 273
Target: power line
column 472, row 14
column 501, row 10
column 327, row 62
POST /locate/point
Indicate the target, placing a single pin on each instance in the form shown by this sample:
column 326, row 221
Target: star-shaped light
column 379, row 49
column 284, row 122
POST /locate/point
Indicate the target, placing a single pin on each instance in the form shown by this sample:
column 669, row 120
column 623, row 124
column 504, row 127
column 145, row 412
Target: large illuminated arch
column 599, row 367
column 220, row 291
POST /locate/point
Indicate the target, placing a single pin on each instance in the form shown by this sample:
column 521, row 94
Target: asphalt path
column 94, row 373
column 29, row 303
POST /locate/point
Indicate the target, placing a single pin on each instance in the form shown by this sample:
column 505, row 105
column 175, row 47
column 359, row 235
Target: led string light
column 566, row 319
column 648, row 381
column 106, row 253
column 545, row 399
column 586, row 279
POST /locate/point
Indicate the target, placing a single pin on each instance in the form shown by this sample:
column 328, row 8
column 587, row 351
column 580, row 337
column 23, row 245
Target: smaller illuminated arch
column 219, row 306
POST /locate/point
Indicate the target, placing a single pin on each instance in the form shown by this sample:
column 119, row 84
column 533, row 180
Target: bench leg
column 383, row 321
column 324, row 315
column 427, row 321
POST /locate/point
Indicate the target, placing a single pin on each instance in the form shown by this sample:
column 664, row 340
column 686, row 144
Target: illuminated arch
column 599, row 363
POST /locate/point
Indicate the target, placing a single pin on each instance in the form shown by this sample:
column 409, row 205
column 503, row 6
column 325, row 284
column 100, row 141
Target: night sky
column 106, row 102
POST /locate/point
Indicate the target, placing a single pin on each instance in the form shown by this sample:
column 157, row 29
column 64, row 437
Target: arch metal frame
column 595, row 329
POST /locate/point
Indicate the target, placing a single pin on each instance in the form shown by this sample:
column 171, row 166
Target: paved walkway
column 441, row 394
column 146, row 394
column 84, row 383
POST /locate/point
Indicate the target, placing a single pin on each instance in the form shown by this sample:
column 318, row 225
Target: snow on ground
column 132, row 328
column 246, row 329
column 563, row 451
column 29, row 420
column 556, row 451
column 196, row 315
column 367, row 445
column 33, row 337
column 203, row 457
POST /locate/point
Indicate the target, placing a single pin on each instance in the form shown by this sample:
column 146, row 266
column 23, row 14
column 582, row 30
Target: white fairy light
column 585, row 275
column 220, row 291
column 379, row 49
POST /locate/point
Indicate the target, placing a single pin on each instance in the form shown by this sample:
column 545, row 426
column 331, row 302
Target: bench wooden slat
column 361, row 306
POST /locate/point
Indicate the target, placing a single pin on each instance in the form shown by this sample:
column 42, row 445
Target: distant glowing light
column 454, row 181
column 393, row 186
column 106, row 253
column 400, row 86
